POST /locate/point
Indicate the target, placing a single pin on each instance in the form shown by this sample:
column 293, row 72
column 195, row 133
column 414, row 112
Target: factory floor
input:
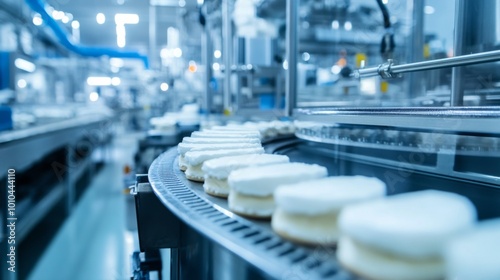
column 99, row 237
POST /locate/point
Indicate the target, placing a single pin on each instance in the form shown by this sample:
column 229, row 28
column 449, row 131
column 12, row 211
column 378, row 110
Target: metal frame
column 471, row 120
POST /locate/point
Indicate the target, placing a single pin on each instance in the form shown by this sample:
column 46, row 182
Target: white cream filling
column 314, row 229
column 182, row 163
column 216, row 186
column 259, row 206
column 375, row 264
column 194, row 172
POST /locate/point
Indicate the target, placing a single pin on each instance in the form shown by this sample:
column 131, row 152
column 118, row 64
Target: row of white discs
column 420, row 235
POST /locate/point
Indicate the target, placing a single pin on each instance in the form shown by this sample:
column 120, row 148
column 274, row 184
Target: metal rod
column 153, row 58
column 457, row 90
column 462, row 60
column 206, row 47
column 292, row 20
column 227, row 53
column 416, row 47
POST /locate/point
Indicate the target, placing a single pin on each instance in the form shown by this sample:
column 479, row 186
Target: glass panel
column 337, row 37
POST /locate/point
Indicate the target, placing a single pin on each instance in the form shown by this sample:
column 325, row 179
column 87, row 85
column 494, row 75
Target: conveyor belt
column 251, row 240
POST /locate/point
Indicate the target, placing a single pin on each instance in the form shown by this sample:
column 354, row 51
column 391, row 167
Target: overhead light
column 115, row 81
column 37, row 20
column 177, row 52
column 348, row 25
column 57, row 15
column 116, row 62
column 335, row 24
column 182, row 3
column 121, row 19
column 99, row 81
column 385, row 1
column 100, row 18
column 164, row 86
column 216, row 66
column 165, row 53
column 25, row 65
column 65, row 19
column 75, row 24
column 120, row 35
column 22, row 83
column 200, row 2
column 306, row 56
column 217, row 54
column 94, row 96
column 429, row 10
column 336, row 69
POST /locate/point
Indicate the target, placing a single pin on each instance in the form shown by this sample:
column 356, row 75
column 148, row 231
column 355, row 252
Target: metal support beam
column 292, row 20
column 416, row 45
column 153, row 53
column 227, row 36
column 457, row 90
column 206, row 55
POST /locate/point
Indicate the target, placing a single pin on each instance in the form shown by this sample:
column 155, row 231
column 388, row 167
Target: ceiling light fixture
column 182, row 3
column 75, row 24
column 121, row 19
column 99, row 81
column 164, row 86
column 37, row 20
column 100, row 18
column 25, row 65
column 217, row 54
column 115, row 81
column 94, row 96
column 121, row 35
column 22, row 83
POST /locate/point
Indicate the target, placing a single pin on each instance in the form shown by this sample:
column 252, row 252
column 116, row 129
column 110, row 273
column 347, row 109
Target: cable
column 387, row 45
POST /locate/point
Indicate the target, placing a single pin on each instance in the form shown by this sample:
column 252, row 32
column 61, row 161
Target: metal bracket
column 384, row 70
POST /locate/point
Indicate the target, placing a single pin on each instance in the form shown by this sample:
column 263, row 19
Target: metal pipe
column 391, row 70
column 457, row 90
column 206, row 47
column 63, row 38
column 292, row 20
column 152, row 37
column 227, row 52
column 416, row 47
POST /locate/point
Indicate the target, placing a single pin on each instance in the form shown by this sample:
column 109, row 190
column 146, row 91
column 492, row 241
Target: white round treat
column 182, row 163
column 413, row 225
column 263, row 180
column 475, row 254
column 222, row 139
column 327, row 194
column 234, row 134
column 232, row 129
column 216, row 187
column 221, row 167
column 253, row 206
column 183, row 148
column 198, row 157
column 318, row 229
column 372, row 264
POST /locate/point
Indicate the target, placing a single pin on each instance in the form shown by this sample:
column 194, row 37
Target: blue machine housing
column 5, row 118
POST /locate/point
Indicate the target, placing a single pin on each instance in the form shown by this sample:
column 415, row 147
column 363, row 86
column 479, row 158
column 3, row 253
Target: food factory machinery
column 452, row 148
